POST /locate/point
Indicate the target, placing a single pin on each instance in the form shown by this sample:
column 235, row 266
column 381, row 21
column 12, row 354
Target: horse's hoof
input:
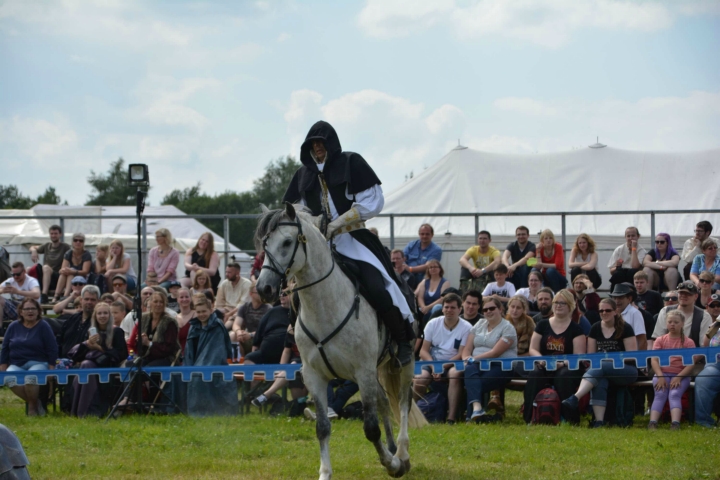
column 400, row 471
column 406, row 464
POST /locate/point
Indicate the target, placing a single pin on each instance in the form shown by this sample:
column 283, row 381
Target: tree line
column 111, row 188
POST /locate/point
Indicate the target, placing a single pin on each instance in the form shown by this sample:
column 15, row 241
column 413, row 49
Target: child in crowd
column 172, row 296
column 101, row 254
column 672, row 381
column 107, row 298
column 500, row 289
column 121, row 318
column 151, row 280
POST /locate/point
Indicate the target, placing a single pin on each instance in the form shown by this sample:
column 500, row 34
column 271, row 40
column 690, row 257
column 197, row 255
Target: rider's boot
column 402, row 332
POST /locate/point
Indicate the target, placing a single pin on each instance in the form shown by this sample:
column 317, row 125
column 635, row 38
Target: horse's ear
column 290, row 210
column 263, row 208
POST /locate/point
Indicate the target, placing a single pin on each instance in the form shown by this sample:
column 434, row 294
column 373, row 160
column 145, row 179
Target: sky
column 211, row 92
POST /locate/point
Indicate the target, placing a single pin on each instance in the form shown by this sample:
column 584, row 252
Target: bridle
column 284, row 272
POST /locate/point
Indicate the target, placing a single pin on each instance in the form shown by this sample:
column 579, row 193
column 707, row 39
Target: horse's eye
column 287, row 243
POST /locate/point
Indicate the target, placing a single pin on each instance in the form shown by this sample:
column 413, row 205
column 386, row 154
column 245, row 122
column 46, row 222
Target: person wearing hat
column 707, row 382
column 624, row 296
column 173, row 288
column 70, row 305
column 119, row 284
column 697, row 321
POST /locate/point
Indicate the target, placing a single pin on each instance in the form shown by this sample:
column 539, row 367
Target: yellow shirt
column 482, row 260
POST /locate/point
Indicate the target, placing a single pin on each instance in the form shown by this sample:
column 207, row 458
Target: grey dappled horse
column 294, row 247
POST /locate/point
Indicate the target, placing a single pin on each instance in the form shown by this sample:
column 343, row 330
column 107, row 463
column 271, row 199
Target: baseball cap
column 687, row 286
column 121, row 277
column 714, row 298
column 174, row 283
column 79, row 280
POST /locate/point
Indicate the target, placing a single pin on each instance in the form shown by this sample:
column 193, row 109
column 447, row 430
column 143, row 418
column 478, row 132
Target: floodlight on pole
column 138, row 175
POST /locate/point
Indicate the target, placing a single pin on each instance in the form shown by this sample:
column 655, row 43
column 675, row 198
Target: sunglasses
column 79, row 240
column 605, row 310
column 284, row 294
column 17, row 274
column 660, row 242
column 714, row 305
column 705, row 281
column 119, row 285
column 78, row 284
column 670, row 299
column 489, row 309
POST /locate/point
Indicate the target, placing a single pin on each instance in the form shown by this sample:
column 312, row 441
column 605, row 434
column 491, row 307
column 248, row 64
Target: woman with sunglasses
column 610, row 334
column 705, row 289
column 76, row 263
column 709, row 261
column 29, row 344
column 491, row 337
column 661, row 264
column 557, row 335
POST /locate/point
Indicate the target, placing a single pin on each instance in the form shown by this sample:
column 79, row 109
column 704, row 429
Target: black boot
column 406, row 346
column 400, row 333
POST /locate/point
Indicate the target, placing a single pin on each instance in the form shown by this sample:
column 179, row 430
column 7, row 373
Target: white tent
column 585, row 180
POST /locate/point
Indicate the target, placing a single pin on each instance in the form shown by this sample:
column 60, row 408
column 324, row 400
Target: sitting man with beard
column 544, row 299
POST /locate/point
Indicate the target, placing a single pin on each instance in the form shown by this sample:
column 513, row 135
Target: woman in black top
column 77, row 262
column 558, row 335
column 202, row 257
column 611, row 334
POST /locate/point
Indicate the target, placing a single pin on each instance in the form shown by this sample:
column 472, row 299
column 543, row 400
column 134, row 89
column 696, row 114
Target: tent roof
column 589, row 179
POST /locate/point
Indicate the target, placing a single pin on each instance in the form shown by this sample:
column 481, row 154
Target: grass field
column 261, row 447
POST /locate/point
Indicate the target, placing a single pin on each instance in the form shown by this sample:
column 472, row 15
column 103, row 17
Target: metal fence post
column 652, row 228
column 564, row 234
column 477, row 224
column 62, row 229
column 226, row 237
column 141, row 275
column 392, row 232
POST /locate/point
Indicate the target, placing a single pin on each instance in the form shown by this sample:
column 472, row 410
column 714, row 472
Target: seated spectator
column 583, row 260
column 558, row 335
column 626, row 260
column 624, row 296
column 269, row 339
column 202, row 258
column 186, row 313
column 544, row 300
column 705, row 288
column 151, row 280
column 516, row 255
column 120, row 262
column 697, row 321
column 535, row 282
column 429, row 291
column 54, row 251
column 472, row 299
column 107, row 298
column 104, row 348
column 661, row 264
column 20, row 286
column 29, row 344
column 517, row 315
column 577, row 315
column 444, row 338
column 119, row 311
column 588, row 300
column 611, row 334
column 128, row 324
column 648, row 300
column 677, row 374
column 339, row 391
column 397, row 257
column 247, row 320
column 500, row 288
column 119, row 284
column 707, row 382
column 419, row 252
column 76, row 262
column 232, row 292
column 551, row 261
column 713, row 308
column 491, row 337
column 478, row 263
column 172, row 289
column 256, row 265
column 692, row 247
column 708, row 261
column 159, row 334
column 163, row 259
column 201, row 284
column 74, row 329
column 208, row 343
column 97, row 275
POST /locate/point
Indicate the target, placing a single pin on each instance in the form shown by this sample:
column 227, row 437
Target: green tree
column 10, row 197
column 111, row 188
column 270, row 188
column 50, row 197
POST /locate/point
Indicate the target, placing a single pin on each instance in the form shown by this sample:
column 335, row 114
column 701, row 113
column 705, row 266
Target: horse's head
column 281, row 234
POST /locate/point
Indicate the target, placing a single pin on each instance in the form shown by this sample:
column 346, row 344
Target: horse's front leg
column 317, row 385
column 405, row 403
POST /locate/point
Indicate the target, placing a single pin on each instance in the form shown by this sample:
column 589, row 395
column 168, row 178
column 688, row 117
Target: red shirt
column 558, row 258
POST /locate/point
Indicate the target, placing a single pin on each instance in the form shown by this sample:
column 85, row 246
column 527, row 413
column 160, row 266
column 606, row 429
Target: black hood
column 325, row 132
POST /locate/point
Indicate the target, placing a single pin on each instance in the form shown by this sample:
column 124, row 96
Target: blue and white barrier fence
column 268, row 371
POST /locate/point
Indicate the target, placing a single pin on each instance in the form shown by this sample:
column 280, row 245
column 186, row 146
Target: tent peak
column 597, row 144
column 460, row 147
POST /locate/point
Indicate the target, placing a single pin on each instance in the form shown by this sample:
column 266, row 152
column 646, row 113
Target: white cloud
column 41, row 141
column 283, row 37
column 545, row 22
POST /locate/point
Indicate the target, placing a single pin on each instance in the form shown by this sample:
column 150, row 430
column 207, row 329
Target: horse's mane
column 269, row 220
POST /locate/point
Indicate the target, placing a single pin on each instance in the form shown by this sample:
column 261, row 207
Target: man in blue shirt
column 419, row 252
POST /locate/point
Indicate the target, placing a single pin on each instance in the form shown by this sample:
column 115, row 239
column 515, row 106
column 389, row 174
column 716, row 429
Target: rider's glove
column 351, row 217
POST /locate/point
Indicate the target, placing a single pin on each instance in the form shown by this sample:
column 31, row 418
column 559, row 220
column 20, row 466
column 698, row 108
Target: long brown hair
column 108, row 326
column 210, row 249
column 619, row 322
column 117, row 262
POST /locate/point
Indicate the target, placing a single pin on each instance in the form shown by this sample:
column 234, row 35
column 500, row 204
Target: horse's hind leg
column 317, row 385
column 405, row 401
column 385, row 413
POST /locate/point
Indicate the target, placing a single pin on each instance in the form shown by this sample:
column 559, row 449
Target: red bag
column 546, row 408
column 33, row 271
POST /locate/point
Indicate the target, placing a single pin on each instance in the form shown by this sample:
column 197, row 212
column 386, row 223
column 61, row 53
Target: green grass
column 260, row 447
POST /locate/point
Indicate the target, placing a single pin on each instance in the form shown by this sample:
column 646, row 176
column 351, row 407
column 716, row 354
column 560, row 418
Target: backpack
column 434, row 406
column 546, row 408
column 352, row 411
column 620, row 407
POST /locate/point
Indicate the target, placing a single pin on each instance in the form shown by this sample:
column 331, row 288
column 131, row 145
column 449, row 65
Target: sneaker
column 332, row 415
column 571, row 402
column 597, row 424
column 309, row 414
column 478, row 416
column 44, row 299
column 259, row 401
column 675, row 426
column 296, row 409
column 652, row 425
column 495, row 402
column 449, row 421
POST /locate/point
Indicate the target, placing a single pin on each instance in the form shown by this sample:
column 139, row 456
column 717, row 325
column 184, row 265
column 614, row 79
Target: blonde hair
column 113, row 261
column 547, row 233
column 517, row 299
column 678, row 313
column 184, row 289
column 588, row 239
column 569, row 298
column 108, row 326
column 103, row 247
column 164, row 232
column 201, row 299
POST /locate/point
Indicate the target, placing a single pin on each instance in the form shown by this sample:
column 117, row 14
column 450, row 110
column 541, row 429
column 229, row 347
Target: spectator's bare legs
column 653, row 278
column 454, row 390
column 30, row 394
column 63, row 282
column 672, row 278
column 421, row 383
column 47, row 278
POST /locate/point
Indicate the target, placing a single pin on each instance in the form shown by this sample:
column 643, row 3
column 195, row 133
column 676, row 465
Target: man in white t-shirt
column 627, row 259
column 14, row 290
column 444, row 340
column 624, row 295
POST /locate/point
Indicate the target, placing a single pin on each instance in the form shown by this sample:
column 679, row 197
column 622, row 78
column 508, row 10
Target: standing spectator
column 232, row 292
column 707, row 382
column 544, row 303
column 516, row 255
column 429, row 291
column 677, row 374
column 478, row 263
column 500, row 288
column 535, row 282
column 269, row 340
column 491, row 337
column 583, row 260
column 551, row 261
column 163, row 259
column 692, row 247
column 54, row 252
column 661, row 264
column 472, row 299
column 705, row 287
column 624, row 296
column 697, row 321
column 120, row 263
column 29, row 344
column 202, row 257
column 709, row 261
column 247, row 320
column 558, row 335
column 19, row 286
column 626, row 259
column 648, row 300
column 419, row 252
column 76, row 262
column 397, row 257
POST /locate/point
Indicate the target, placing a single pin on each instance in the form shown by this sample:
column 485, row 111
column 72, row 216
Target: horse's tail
column 392, row 380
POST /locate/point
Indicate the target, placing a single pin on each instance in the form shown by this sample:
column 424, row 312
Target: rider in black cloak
column 342, row 191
